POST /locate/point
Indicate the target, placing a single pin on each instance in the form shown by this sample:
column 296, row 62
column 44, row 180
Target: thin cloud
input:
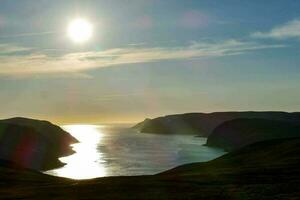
column 12, row 49
column 35, row 63
column 285, row 31
column 29, row 34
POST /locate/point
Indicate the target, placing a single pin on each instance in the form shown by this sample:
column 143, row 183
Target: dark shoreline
column 243, row 174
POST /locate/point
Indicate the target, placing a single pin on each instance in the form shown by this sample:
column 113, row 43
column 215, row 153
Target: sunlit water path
column 116, row 150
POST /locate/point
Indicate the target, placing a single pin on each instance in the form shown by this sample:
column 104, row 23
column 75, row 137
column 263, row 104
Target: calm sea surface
column 116, row 150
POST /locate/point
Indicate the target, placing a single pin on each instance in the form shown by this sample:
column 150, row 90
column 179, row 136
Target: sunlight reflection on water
column 86, row 163
column 117, row 150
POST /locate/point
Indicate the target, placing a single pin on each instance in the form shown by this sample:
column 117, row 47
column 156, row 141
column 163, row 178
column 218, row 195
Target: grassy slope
column 267, row 170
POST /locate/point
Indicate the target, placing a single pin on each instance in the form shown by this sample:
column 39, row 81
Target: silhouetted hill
column 203, row 124
column 33, row 144
column 265, row 154
column 265, row 171
column 142, row 124
column 237, row 133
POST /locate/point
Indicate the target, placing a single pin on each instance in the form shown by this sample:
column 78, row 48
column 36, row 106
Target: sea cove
column 118, row 150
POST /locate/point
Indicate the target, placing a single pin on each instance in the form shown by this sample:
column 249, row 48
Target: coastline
column 241, row 174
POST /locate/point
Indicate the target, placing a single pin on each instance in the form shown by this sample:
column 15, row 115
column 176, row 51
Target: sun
column 80, row 30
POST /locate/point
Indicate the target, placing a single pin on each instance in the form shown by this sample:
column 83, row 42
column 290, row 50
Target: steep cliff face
column 203, row 124
column 237, row 133
column 34, row 144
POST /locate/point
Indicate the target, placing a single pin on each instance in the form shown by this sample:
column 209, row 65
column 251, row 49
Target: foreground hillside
column 204, row 123
column 267, row 170
column 237, row 133
column 33, row 144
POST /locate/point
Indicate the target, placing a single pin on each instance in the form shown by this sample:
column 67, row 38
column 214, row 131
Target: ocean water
column 117, row 150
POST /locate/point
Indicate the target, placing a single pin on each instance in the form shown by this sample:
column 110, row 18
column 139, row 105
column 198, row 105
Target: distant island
column 34, row 144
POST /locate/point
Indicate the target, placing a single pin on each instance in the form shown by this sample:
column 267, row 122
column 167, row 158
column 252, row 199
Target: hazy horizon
column 147, row 58
column 94, row 121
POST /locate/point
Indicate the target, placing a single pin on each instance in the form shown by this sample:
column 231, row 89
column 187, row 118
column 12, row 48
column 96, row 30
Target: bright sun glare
column 87, row 162
column 80, row 30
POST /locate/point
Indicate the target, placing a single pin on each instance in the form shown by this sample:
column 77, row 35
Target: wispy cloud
column 12, row 49
column 77, row 63
column 288, row 30
column 29, row 34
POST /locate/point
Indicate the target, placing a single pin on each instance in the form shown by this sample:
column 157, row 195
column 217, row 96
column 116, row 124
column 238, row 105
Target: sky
column 148, row 58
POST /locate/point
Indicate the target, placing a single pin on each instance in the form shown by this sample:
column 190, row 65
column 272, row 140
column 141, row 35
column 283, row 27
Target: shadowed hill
column 33, row 144
column 237, row 133
column 266, row 170
column 204, row 123
column 269, row 154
